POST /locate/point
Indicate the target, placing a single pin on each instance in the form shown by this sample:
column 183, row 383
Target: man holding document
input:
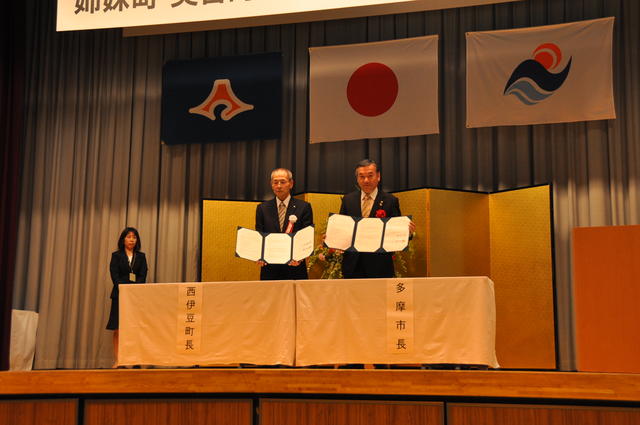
column 284, row 214
column 369, row 201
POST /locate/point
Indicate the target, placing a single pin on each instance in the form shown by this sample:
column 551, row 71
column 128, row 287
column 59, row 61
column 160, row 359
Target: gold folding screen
column 521, row 268
column 220, row 219
column 415, row 203
column 504, row 235
column 323, row 204
column 458, row 233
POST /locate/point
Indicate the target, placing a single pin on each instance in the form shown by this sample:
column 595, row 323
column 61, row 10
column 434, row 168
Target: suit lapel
column 378, row 204
column 273, row 213
column 292, row 209
column 124, row 258
column 358, row 203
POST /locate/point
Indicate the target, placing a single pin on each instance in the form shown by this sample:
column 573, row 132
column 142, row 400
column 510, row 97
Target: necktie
column 366, row 205
column 282, row 211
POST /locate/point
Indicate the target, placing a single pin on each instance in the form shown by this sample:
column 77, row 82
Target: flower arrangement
column 329, row 260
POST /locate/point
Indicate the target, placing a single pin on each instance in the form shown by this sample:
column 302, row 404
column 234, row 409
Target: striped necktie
column 282, row 211
column 367, row 203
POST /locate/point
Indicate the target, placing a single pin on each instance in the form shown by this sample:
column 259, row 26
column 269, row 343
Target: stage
column 601, row 387
column 300, row 396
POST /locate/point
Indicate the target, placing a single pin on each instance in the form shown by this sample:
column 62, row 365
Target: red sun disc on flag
column 372, row 89
column 548, row 54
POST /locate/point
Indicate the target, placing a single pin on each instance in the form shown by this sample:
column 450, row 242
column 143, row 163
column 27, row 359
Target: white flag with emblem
column 549, row 74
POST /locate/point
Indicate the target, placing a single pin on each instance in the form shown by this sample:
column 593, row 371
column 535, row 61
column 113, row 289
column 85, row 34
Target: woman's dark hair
column 124, row 234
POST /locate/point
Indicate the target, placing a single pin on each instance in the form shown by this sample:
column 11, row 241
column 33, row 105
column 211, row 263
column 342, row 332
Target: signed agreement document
column 274, row 248
column 367, row 234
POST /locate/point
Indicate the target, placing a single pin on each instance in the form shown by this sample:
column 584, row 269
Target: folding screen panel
column 323, row 204
column 522, row 270
column 416, row 204
column 458, row 233
column 220, row 219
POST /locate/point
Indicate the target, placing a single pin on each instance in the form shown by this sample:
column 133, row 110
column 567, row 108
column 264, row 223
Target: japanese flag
column 374, row 90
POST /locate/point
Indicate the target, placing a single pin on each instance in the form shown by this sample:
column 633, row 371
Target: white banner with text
column 94, row 14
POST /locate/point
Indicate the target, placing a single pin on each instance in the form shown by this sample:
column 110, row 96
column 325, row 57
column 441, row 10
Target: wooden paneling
column 303, row 412
column 168, row 412
column 478, row 414
column 606, row 275
column 552, row 385
column 38, row 412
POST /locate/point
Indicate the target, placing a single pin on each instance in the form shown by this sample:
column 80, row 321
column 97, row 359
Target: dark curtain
column 11, row 123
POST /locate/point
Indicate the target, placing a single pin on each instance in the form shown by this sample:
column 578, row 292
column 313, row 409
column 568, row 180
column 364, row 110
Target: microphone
column 292, row 221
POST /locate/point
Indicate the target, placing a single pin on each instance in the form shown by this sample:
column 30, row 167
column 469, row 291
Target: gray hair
column 289, row 173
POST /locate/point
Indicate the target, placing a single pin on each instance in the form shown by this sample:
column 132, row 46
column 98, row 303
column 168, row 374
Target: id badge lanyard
column 132, row 275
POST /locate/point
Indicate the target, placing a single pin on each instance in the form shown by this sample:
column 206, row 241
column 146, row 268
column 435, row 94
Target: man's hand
column 412, row 227
column 261, row 263
column 294, row 263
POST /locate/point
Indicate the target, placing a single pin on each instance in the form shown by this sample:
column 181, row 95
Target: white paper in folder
column 367, row 234
column 274, row 248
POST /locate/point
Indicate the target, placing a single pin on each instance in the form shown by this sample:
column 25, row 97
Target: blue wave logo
column 532, row 81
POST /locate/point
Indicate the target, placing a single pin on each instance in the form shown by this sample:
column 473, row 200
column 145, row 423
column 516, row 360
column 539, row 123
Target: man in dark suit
column 274, row 217
column 369, row 201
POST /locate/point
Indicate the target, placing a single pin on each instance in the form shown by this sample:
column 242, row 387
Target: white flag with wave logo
column 550, row 74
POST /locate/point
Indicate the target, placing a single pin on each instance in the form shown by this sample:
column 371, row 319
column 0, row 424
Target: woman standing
column 128, row 265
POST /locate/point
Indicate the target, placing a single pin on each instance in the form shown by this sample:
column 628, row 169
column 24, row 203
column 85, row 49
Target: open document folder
column 274, row 248
column 367, row 234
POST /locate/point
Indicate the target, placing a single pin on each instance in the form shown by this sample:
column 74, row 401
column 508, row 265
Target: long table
column 444, row 320
column 233, row 322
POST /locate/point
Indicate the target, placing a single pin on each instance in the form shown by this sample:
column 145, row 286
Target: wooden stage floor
column 604, row 387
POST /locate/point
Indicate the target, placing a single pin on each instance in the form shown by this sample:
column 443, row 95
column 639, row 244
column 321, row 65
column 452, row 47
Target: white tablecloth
column 320, row 322
column 242, row 322
column 344, row 321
